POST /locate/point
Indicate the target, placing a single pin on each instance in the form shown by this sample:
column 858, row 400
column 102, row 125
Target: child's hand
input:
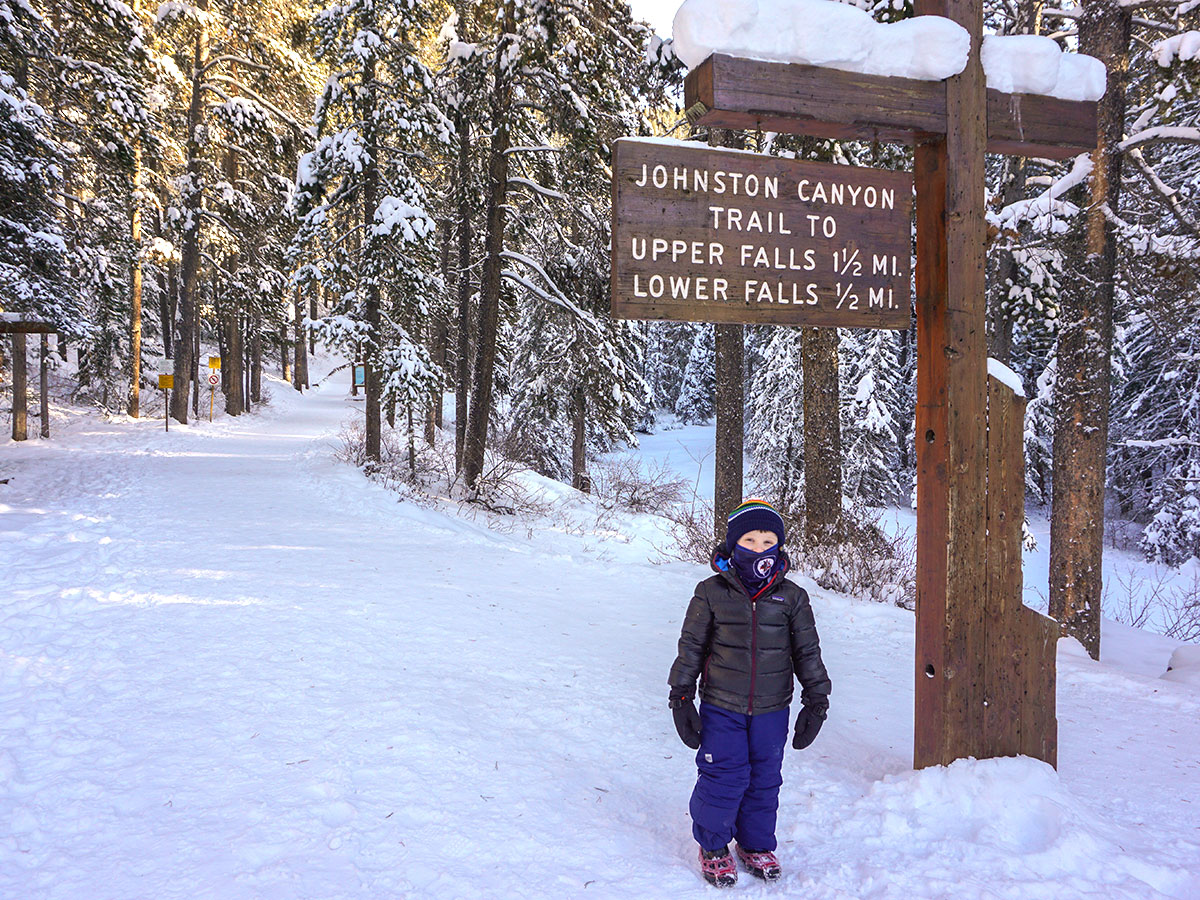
column 687, row 720
column 808, row 723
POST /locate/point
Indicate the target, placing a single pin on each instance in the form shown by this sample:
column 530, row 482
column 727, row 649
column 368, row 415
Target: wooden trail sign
column 716, row 235
column 984, row 666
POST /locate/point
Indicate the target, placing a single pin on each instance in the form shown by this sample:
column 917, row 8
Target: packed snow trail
column 231, row 667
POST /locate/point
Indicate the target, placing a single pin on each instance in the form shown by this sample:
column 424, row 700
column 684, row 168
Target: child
column 746, row 631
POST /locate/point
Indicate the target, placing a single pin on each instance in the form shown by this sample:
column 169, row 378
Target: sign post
column 166, row 383
column 684, row 247
column 213, row 380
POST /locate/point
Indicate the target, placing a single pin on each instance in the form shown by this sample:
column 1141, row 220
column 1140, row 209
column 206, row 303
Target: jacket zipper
column 753, row 651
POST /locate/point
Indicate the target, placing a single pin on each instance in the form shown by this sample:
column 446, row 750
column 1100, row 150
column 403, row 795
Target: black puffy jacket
column 747, row 650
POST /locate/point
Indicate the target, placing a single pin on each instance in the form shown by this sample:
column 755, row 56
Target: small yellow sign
column 166, row 382
column 214, row 362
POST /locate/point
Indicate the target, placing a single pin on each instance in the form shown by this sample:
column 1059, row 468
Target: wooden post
column 44, row 372
column 20, row 388
column 951, row 377
column 1019, row 716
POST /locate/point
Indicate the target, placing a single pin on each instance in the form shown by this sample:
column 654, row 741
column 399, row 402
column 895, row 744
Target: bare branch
column 240, row 60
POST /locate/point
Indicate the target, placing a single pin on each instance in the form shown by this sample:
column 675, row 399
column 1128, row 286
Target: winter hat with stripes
column 752, row 515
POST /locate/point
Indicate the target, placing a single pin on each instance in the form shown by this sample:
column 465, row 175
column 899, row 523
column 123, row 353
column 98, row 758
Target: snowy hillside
column 231, row 667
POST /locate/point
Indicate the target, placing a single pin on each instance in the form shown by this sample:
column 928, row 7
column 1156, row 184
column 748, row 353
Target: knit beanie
column 753, row 515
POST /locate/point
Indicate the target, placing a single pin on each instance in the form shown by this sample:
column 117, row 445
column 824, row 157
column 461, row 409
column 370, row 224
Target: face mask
column 752, row 568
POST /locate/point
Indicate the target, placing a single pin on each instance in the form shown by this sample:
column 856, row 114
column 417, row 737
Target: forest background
column 424, row 186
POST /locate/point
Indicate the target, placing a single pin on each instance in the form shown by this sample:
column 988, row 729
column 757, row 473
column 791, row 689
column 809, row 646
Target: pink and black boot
column 718, row 867
column 761, row 863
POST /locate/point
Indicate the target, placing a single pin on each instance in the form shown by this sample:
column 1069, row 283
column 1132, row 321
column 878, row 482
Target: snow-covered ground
column 230, row 667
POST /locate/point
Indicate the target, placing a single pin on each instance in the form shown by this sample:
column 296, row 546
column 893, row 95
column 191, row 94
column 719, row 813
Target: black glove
column 687, row 720
column 808, row 723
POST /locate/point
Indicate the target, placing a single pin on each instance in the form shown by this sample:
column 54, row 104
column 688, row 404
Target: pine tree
column 871, row 398
column 365, row 234
column 563, row 79
column 776, row 418
column 697, row 394
column 34, row 258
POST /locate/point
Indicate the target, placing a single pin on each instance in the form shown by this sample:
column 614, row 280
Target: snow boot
column 762, row 864
column 718, row 867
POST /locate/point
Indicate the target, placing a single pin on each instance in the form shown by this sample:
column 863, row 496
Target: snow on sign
column 708, row 234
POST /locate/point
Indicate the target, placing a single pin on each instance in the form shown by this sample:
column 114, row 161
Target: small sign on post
column 214, row 362
column 714, row 235
column 360, row 375
column 213, row 380
column 166, row 383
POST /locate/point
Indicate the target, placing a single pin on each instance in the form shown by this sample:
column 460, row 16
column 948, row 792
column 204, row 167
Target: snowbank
column 1184, row 666
column 927, row 48
column 1001, row 828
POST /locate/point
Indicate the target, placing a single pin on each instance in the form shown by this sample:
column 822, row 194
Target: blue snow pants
column 737, row 792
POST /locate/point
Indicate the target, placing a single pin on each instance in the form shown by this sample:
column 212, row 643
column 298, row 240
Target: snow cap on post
column 820, row 33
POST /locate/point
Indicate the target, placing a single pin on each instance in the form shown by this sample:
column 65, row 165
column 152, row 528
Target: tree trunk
column 462, row 360
column 285, row 362
column 20, row 389
column 135, row 315
column 374, row 382
column 730, row 415
column 1000, row 313
column 822, row 435
column 168, row 301
column 244, row 325
column 1082, row 385
column 195, row 362
column 300, row 379
column 436, row 331
column 475, row 445
column 44, row 372
column 185, row 359
column 231, row 365
column 235, row 398
column 313, row 315
column 256, row 359
column 579, row 476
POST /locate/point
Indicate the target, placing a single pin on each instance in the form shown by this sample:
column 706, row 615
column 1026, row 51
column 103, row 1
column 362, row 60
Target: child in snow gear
column 747, row 632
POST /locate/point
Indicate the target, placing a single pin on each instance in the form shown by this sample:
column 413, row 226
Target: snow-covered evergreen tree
column 366, row 235
column 697, row 393
column 33, row 255
column 775, row 419
column 670, row 345
column 871, row 400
